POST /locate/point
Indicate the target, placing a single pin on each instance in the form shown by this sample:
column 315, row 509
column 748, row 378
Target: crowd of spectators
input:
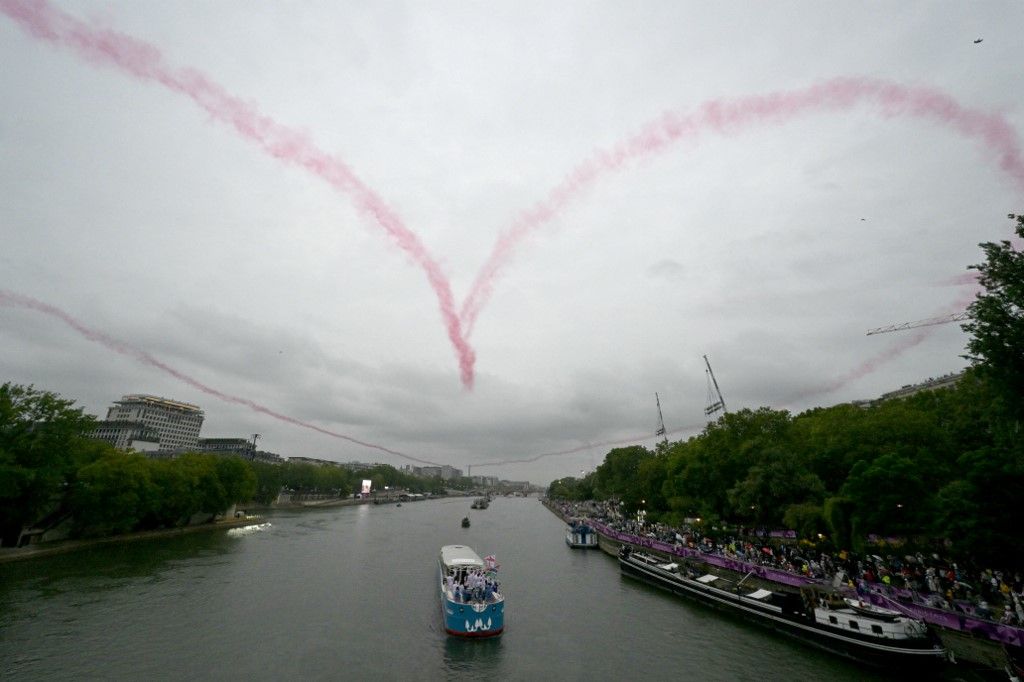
column 926, row 579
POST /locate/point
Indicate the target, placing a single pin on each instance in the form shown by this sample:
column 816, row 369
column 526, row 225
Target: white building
column 444, row 472
column 128, row 436
column 176, row 423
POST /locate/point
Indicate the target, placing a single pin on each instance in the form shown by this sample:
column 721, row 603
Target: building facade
column 933, row 384
column 226, row 446
column 445, row 472
column 128, row 435
column 176, row 423
column 237, row 447
column 314, row 461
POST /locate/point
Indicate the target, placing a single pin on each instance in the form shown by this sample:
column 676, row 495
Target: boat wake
column 248, row 530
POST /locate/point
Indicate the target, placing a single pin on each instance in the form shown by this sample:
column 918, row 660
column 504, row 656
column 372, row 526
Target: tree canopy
column 942, row 466
column 42, row 445
column 996, row 322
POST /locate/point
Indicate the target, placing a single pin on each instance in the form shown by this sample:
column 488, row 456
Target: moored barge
column 862, row 632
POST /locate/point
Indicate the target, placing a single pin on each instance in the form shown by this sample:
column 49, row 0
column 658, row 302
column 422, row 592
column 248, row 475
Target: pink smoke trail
column 15, row 300
column 726, row 117
column 145, row 62
column 869, row 365
column 633, row 440
column 910, row 341
column 960, row 280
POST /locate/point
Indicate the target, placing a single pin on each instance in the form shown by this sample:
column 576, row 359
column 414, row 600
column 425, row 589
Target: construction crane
column 661, row 421
column 945, row 319
column 715, row 400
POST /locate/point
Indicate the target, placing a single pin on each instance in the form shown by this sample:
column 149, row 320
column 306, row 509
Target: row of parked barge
column 816, row 614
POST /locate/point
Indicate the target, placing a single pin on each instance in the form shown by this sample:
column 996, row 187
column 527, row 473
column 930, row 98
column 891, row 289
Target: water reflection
column 107, row 567
column 482, row 656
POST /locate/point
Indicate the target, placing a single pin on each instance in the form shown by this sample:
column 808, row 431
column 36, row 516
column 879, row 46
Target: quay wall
column 65, row 546
column 968, row 638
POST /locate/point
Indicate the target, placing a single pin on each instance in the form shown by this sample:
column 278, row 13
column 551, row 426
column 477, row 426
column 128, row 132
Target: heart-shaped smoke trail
column 722, row 117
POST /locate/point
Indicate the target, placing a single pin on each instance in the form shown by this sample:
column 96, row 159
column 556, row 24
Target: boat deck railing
column 494, row 598
column 901, row 601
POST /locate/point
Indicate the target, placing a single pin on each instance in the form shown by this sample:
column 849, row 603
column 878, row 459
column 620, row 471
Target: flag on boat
column 491, row 563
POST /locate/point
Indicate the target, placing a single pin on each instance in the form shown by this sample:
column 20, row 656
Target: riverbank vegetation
column 52, row 474
column 942, row 468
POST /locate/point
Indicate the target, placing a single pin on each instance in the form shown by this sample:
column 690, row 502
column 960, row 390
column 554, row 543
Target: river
column 349, row 592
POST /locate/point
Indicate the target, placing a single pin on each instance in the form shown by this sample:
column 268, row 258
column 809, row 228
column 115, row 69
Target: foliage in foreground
column 52, row 472
column 944, row 466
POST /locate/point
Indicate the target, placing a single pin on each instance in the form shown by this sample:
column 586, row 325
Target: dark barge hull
column 922, row 655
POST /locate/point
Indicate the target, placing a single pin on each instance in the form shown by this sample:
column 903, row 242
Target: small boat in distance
column 465, row 522
column 816, row 616
column 480, row 503
column 580, row 536
column 472, row 604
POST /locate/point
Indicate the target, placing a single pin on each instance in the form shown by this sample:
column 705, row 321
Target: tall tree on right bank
column 996, row 324
column 981, row 508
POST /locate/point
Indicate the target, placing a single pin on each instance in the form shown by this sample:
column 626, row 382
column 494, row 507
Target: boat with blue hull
column 472, row 604
column 859, row 631
column 579, row 535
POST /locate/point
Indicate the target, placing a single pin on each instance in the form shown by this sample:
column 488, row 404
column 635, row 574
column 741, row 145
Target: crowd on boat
column 472, row 585
column 930, row 580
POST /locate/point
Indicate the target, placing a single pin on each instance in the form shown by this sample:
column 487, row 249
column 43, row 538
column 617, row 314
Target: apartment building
column 176, row 423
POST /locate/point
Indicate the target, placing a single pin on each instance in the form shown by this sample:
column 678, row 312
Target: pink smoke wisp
column 724, row 117
column 728, row 117
column 145, row 62
column 910, row 340
column 633, row 440
column 12, row 299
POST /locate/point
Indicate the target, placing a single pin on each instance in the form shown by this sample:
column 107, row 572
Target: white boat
column 469, row 610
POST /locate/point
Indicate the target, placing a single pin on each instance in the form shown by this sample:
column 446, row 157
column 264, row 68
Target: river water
column 349, row 592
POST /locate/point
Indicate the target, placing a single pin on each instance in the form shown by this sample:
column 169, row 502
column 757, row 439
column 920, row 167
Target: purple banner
column 1007, row 634
column 765, row 572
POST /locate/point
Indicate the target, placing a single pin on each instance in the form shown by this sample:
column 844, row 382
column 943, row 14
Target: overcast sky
column 288, row 263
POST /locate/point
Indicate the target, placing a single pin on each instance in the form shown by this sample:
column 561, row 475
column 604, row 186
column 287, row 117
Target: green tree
column 201, row 473
column 42, row 444
column 700, row 472
column 996, row 325
column 806, row 518
column 113, row 494
column 178, row 498
column 619, row 474
column 772, row 486
column 564, row 489
column 237, row 478
column 980, row 510
column 269, row 481
column 650, row 481
column 889, row 495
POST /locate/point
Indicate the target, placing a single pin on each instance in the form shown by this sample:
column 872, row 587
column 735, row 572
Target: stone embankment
column 8, row 554
column 973, row 645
